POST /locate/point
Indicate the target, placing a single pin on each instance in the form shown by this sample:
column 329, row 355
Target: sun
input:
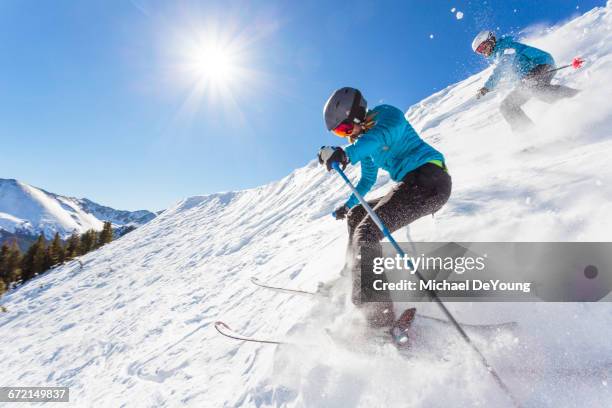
column 215, row 65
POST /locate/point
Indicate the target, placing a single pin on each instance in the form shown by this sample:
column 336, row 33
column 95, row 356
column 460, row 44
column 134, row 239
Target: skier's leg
column 354, row 217
column 552, row 93
column 540, row 78
column 510, row 109
column 423, row 191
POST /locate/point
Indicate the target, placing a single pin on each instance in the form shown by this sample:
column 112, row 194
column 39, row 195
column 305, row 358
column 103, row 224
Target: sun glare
column 215, row 65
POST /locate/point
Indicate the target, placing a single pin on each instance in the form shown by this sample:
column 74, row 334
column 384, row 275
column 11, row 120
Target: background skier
column 381, row 138
column 531, row 66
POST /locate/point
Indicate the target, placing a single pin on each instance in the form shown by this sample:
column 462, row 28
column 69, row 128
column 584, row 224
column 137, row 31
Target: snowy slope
column 29, row 210
column 134, row 325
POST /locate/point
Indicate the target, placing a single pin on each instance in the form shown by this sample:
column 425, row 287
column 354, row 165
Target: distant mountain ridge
column 116, row 217
column 26, row 211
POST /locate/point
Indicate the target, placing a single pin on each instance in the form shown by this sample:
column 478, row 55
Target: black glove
column 340, row 212
column 330, row 154
column 482, row 92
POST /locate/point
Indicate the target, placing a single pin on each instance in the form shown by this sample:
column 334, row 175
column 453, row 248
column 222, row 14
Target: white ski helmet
column 481, row 37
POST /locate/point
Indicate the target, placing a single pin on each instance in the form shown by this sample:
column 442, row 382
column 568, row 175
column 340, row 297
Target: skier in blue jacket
column 381, row 138
column 530, row 68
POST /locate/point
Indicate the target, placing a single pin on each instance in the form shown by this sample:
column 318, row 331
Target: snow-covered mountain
column 134, row 326
column 26, row 210
column 116, row 217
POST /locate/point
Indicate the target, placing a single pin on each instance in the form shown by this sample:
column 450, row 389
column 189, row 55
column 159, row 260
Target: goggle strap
column 354, row 107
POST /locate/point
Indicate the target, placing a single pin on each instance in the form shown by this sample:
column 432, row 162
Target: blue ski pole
column 431, row 293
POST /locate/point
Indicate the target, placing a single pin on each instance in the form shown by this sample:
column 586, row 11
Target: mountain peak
column 29, row 210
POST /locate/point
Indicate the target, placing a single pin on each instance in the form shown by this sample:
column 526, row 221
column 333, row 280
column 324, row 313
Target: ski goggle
column 483, row 46
column 344, row 129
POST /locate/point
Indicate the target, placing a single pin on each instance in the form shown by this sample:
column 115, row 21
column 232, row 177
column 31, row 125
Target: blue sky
column 106, row 99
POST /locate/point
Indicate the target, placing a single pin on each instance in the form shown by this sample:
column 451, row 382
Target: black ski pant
column 535, row 84
column 423, row 191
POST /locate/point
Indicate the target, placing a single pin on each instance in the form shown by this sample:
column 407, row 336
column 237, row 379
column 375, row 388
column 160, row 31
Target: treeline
column 17, row 267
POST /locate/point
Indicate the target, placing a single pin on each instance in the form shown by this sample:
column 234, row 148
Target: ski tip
column 255, row 280
column 219, row 323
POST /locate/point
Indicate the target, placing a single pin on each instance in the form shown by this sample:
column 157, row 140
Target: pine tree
column 73, row 246
column 4, row 270
column 26, row 264
column 106, row 235
column 39, row 255
column 48, row 259
column 89, row 240
column 34, row 259
column 14, row 264
column 55, row 252
column 10, row 271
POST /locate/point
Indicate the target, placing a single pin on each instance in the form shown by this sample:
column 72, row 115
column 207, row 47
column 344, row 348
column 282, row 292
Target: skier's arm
column 369, row 173
column 365, row 147
column 495, row 77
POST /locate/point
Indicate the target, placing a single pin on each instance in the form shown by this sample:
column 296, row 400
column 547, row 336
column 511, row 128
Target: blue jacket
column 392, row 145
column 515, row 59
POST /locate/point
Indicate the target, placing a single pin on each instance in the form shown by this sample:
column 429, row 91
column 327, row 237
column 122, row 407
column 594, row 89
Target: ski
column 476, row 327
column 259, row 283
column 227, row 331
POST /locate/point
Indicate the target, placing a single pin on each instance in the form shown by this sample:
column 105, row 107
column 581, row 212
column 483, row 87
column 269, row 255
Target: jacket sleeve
column 365, row 147
column 369, row 173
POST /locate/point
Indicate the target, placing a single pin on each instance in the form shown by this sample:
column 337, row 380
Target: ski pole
column 576, row 63
column 431, row 293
